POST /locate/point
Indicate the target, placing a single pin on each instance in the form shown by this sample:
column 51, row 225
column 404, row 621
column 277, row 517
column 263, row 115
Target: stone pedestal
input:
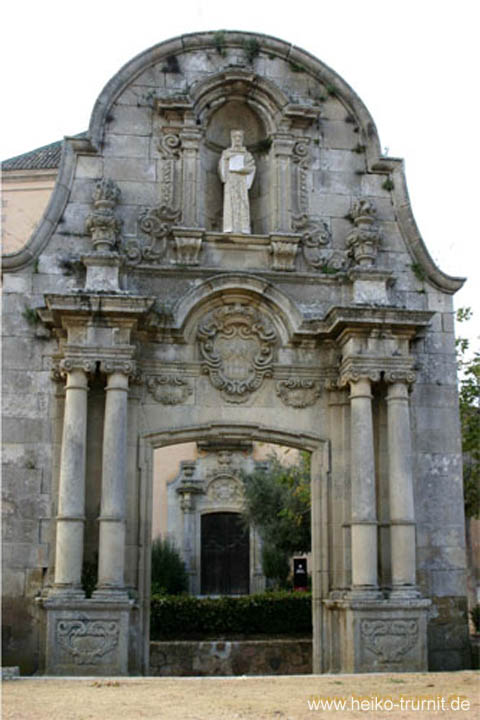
column 87, row 637
column 102, row 272
column 381, row 636
column 370, row 286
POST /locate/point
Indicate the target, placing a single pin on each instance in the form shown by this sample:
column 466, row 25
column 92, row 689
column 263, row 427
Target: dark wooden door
column 225, row 556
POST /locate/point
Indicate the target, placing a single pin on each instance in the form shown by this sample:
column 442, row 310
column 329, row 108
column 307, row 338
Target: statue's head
column 236, row 137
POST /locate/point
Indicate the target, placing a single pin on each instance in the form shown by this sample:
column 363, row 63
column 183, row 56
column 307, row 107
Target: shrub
column 267, row 613
column 168, row 569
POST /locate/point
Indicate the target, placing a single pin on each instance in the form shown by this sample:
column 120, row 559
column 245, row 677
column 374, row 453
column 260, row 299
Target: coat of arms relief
column 236, row 346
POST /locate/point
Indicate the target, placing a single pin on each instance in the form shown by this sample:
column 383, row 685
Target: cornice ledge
column 337, row 318
column 86, row 304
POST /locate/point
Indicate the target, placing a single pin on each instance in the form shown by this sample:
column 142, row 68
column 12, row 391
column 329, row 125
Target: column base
column 365, row 594
column 87, row 637
column 382, row 636
column 66, row 593
column 404, row 592
column 110, row 595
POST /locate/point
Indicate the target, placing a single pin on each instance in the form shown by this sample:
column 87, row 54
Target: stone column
column 364, row 510
column 111, row 559
column 71, row 494
column 402, row 515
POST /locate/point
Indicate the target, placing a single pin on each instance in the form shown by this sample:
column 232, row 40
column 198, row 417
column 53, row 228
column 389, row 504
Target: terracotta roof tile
column 41, row 158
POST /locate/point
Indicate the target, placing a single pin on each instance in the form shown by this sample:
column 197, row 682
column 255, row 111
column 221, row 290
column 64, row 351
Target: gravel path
column 241, row 698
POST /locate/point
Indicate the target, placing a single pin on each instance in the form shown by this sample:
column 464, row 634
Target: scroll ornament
column 156, row 225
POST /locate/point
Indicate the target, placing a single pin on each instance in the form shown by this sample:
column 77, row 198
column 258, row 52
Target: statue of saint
column 237, row 170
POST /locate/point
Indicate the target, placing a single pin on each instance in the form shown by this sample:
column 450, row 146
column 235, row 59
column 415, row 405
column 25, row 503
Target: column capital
column 406, row 377
column 123, row 366
column 354, row 377
column 74, row 363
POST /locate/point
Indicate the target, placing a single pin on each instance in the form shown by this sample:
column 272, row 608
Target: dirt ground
column 244, row 698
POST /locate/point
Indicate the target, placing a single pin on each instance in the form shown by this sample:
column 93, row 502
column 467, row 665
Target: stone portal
column 173, row 305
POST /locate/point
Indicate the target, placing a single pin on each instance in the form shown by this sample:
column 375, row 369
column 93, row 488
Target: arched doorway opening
column 212, row 551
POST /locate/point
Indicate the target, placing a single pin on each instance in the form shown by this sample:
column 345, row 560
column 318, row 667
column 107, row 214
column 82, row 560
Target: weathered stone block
column 136, row 169
column 89, row 167
column 128, row 120
column 88, row 637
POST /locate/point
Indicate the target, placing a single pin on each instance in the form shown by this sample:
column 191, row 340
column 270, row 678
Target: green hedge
column 183, row 616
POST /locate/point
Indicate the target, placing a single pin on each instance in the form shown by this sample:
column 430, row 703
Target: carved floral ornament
column 236, row 345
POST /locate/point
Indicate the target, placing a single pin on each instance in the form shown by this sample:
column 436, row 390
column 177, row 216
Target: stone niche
column 326, row 328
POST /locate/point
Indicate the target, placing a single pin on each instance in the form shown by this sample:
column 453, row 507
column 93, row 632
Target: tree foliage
column 277, row 502
column 469, row 397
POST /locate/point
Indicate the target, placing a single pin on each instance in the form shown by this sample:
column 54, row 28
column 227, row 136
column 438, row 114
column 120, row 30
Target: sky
column 414, row 63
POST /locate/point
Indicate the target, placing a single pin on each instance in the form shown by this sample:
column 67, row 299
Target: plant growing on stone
column 418, row 271
column 294, row 67
column 252, row 49
column 219, row 42
column 30, row 315
column 388, row 184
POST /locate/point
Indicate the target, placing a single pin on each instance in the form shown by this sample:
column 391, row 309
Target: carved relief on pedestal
column 236, row 345
column 169, row 389
column 389, row 640
column 87, row 640
column 156, row 224
column 299, row 392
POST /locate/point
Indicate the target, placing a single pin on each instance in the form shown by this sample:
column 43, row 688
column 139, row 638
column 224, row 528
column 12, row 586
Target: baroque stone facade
column 324, row 325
